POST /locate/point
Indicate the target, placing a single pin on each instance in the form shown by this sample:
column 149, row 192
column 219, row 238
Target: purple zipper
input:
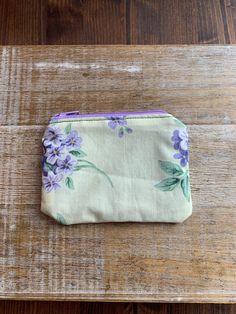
column 76, row 114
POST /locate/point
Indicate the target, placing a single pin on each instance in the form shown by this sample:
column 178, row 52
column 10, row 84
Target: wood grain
column 86, row 22
column 22, row 22
column 35, row 307
column 39, row 307
column 163, row 21
column 191, row 82
column 185, row 309
column 190, row 262
column 182, row 22
column 229, row 18
column 117, row 22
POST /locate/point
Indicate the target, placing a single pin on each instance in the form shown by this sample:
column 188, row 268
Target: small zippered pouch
column 116, row 167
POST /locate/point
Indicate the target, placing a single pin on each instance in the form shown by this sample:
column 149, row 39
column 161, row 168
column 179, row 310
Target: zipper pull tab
column 72, row 113
column 64, row 115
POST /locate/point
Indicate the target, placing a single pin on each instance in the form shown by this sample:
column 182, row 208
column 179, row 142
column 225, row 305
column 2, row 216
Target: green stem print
column 63, row 156
column 89, row 164
column 177, row 177
column 60, row 218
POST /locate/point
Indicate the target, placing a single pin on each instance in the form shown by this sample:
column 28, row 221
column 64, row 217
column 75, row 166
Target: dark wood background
column 43, row 307
column 31, row 22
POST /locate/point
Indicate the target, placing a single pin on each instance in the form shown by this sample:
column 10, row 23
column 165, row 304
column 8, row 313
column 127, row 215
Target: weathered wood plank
column 190, row 262
column 197, row 84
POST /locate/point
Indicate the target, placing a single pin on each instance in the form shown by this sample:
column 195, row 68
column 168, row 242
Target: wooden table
column 190, row 262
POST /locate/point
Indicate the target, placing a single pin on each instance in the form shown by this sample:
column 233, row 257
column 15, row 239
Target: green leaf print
column 77, row 153
column 68, row 128
column 171, row 168
column 49, row 166
column 178, row 175
column 167, row 184
column 60, row 218
column 70, row 183
column 185, row 187
column 121, row 132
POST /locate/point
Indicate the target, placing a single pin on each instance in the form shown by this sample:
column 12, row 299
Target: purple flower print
column 62, row 157
column 183, row 156
column 50, row 182
column 54, row 153
column 180, row 139
column 73, row 141
column 121, row 123
column 44, row 166
column 53, row 136
column 129, row 130
column 116, row 121
column 184, row 139
column 67, row 166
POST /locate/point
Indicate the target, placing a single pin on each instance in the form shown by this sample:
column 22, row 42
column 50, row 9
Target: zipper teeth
column 76, row 114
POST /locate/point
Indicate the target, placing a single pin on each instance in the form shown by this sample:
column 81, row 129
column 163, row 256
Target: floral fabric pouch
column 129, row 166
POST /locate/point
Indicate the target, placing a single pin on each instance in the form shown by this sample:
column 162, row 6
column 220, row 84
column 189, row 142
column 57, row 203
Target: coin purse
column 116, row 167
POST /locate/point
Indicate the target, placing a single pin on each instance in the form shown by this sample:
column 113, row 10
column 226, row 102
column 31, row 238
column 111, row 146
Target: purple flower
column 128, row 130
column 53, row 136
column 180, row 139
column 116, row 121
column 50, row 182
column 67, row 166
column 183, row 156
column 73, row 140
column 54, row 153
column 121, row 123
column 184, row 139
column 44, row 166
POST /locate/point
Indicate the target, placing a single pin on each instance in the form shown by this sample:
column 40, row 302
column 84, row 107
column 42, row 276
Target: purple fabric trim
column 76, row 114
